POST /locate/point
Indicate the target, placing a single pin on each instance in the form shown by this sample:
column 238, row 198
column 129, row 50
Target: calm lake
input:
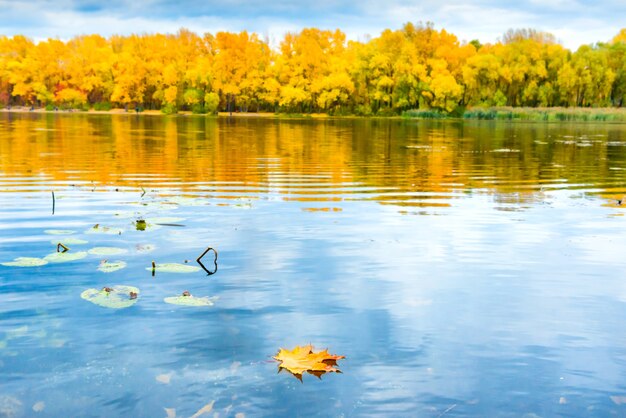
column 462, row 268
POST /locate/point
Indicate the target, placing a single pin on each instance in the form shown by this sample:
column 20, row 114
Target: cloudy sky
column 574, row 22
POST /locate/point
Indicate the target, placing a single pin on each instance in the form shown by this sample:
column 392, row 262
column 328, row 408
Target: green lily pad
column 99, row 229
column 155, row 205
column 107, row 251
column 243, row 206
column 127, row 214
column 59, row 232
column 174, row 268
column 111, row 266
column 65, row 257
column 117, row 297
column 140, row 225
column 145, row 248
column 190, row 300
column 69, row 241
column 17, row 332
column 185, row 201
column 25, row 262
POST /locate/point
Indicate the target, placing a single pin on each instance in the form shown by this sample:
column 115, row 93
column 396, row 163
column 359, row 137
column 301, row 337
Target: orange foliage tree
column 415, row 67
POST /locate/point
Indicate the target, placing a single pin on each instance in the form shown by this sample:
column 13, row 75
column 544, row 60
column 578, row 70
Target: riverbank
column 121, row 111
column 539, row 114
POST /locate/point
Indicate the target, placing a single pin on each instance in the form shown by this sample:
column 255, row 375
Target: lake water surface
column 463, row 268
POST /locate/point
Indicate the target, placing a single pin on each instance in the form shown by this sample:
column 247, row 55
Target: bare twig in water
column 214, row 260
column 59, row 246
column 153, row 268
column 450, row 408
column 53, row 202
column 170, row 224
column 143, row 190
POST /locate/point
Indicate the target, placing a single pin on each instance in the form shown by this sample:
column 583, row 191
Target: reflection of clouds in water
column 431, row 311
column 602, row 248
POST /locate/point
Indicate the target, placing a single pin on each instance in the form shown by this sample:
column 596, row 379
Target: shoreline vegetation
column 538, row 114
column 415, row 71
column 555, row 114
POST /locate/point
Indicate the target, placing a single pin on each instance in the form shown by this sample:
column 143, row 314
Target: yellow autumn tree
column 313, row 70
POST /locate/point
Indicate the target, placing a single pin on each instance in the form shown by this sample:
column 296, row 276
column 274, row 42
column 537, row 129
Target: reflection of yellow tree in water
column 404, row 163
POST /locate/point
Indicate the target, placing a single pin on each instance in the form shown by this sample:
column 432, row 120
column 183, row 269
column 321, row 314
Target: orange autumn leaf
column 303, row 359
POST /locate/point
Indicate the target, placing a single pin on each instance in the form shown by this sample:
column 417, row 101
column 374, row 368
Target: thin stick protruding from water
column 214, row 261
column 450, row 408
column 53, row 202
column 59, row 246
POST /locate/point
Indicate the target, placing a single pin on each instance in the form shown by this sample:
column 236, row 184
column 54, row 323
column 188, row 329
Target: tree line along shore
column 546, row 114
column 415, row 71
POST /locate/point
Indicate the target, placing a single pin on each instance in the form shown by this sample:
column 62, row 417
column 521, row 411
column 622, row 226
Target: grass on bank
column 547, row 114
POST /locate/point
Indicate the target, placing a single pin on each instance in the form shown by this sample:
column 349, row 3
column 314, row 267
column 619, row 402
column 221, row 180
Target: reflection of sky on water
column 486, row 311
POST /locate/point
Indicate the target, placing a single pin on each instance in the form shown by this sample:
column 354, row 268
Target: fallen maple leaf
column 303, row 359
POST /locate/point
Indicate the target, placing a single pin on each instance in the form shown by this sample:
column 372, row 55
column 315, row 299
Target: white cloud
column 573, row 22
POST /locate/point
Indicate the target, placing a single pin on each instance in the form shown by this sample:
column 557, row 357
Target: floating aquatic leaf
column 111, row 266
column 25, row 262
column 303, row 359
column 117, row 297
column 17, row 332
column 127, row 214
column 99, row 229
column 173, row 268
column 165, row 378
column 64, row 257
column 107, row 251
column 10, row 406
column 59, row 232
column 69, row 241
column 165, row 220
column 56, row 343
column 189, row 300
column 140, row 225
column 156, row 205
column 185, row 201
column 204, row 410
column 145, row 248
column 242, row 206
column 41, row 333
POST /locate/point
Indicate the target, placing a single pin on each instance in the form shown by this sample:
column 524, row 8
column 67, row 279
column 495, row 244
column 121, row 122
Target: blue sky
column 574, row 22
